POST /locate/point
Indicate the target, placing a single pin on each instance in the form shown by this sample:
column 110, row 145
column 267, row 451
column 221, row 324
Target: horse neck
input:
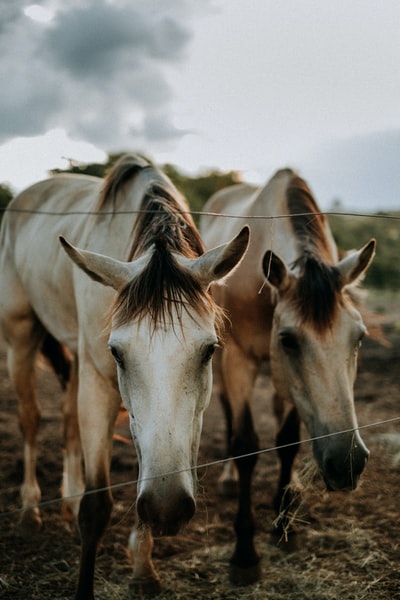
column 275, row 233
column 280, row 232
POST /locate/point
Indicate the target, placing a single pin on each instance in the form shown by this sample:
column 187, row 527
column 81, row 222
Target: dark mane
column 318, row 291
column 164, row 226
column 163, row 291
column 308, row 223
column 162, row 211
column 124, row 170
column 164, row 216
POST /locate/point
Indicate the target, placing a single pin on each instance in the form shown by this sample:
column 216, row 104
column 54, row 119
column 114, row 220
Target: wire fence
column 329, row 213
column 46, row 503
column 131, row 482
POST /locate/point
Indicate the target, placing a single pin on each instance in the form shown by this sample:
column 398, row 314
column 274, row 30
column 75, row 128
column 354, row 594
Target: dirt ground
column 348, row 545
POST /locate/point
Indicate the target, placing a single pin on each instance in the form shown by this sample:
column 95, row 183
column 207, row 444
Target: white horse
column 289, row 302
column 146, row 335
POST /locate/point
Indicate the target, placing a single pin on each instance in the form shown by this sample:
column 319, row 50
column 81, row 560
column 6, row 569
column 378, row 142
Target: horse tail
column 58, row 358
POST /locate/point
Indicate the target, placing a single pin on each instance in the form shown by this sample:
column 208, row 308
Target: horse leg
column 72, row 482
column 286, row 441
column 228, row 481
column 145, row 579
column 24, row 337
column 239, row 373
column 98, row 407
column 229, row 478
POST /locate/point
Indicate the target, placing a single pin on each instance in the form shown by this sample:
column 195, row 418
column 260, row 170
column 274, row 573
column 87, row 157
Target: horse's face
column 164, row 374
column 317, row 372
column 316, row 368
column 165, row 382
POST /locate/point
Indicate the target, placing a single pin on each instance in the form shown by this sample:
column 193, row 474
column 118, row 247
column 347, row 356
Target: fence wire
column 196, row 468
column 198, row 213
column 46, row 503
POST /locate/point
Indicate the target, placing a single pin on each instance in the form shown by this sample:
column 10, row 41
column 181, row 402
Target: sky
column 246, row 85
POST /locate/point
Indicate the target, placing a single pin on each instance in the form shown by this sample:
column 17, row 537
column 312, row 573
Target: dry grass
column 348, row 545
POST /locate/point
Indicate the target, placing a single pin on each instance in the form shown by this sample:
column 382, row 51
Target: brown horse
column 289, row 302
column 146, row 335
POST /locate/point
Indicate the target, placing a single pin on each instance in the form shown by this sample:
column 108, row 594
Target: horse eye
column 360, row 341
column 117, row 357
column 289, row 341
column 209, row 353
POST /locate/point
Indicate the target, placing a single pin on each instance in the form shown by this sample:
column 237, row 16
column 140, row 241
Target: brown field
column 348, row 545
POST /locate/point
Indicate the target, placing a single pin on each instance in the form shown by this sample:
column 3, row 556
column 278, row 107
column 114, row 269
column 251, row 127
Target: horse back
column 34, row 271
column 217, row 222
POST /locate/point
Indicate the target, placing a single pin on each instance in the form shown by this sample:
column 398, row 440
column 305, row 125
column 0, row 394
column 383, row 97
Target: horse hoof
column 245, row 575
column 228, row 488
column 144, row 586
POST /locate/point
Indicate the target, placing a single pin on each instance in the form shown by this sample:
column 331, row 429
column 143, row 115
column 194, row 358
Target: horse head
column 162, row 343
column 316, row 334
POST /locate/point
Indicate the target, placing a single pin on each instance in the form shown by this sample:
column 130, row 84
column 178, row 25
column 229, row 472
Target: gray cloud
column 157, row 127
column 98, row 70
column 89, row 42
column 11, row 12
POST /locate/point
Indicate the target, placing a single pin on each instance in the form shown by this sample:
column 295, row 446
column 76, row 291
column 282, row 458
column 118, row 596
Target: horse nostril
column 189, row 508
column 342, row 473
column 143, row 507
column 358, row 457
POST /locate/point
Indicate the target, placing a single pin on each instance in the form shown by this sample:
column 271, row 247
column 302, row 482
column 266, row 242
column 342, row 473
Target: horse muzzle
column 341, row 460
column 165, row 515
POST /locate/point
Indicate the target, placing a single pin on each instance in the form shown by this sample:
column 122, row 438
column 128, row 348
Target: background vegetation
column 355, row 230
column 350, row 231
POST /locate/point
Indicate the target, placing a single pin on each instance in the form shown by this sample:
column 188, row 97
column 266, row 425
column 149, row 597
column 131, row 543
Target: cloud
column 99, row 70
column 10, row 12
column 157, row 127
column 99, row 39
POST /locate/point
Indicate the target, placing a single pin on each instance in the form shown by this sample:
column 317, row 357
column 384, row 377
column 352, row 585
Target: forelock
column 317, row 294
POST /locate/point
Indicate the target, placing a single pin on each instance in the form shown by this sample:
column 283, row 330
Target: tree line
column 349, row 231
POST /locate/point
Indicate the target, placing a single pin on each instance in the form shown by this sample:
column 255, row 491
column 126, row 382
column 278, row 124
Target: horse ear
column 104, row 269
column 276, row 272
column 355, row 265
column 217, row 263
